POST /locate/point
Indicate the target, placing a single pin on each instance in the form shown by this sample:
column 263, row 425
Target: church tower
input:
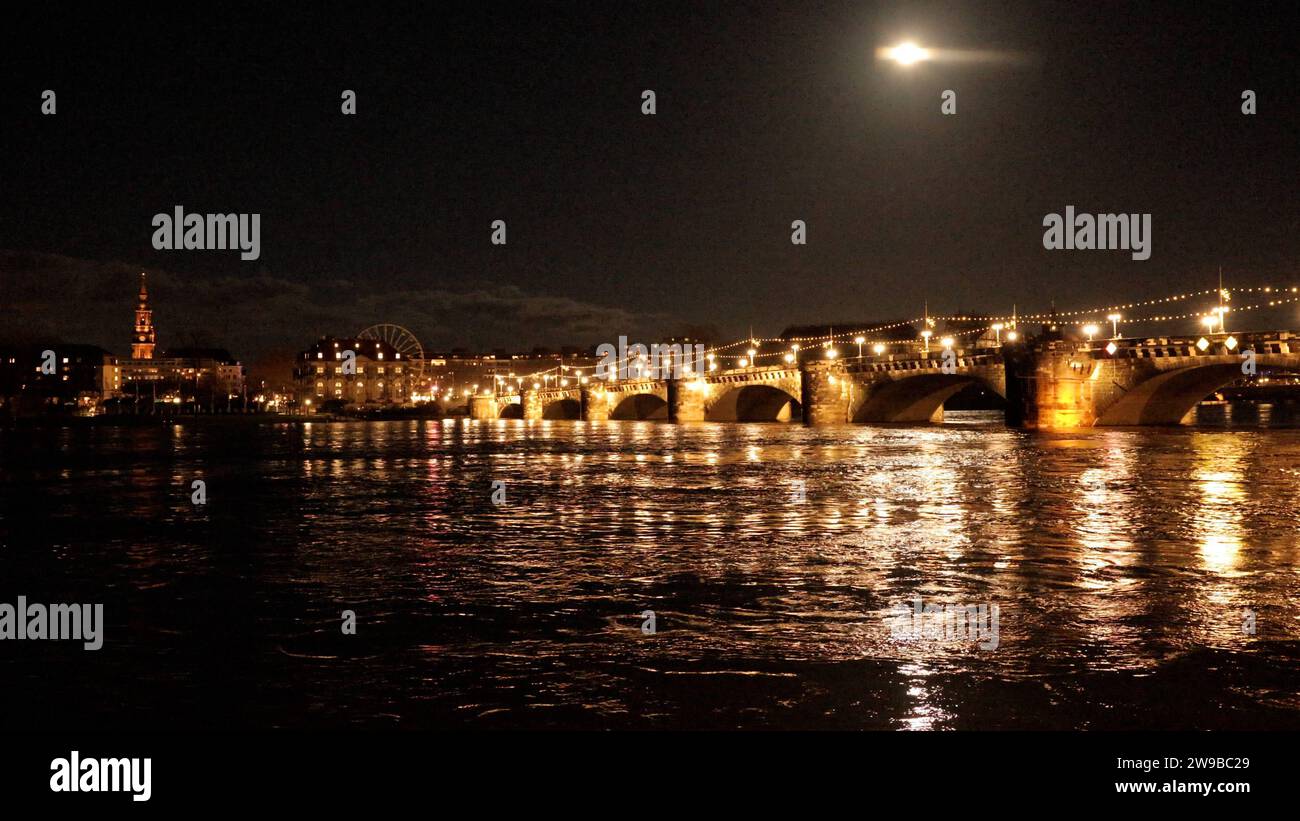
column 142, row 345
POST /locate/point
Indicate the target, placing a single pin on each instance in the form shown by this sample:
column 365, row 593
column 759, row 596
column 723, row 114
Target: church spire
column 143, row 343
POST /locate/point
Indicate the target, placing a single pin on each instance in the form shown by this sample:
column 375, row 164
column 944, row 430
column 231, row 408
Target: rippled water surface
column 1122, row 563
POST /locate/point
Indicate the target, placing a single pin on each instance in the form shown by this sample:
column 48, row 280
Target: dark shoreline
column 145, row 421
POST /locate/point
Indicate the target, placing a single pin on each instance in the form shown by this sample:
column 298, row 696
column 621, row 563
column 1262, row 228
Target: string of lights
column 862, row 336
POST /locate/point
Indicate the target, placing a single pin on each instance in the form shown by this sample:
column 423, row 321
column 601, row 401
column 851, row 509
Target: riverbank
column 213, row 419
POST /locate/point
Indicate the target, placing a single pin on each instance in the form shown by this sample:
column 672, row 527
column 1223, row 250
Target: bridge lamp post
column 946, row 342
column 925, row 337
column 789, row 358
column 1114, row 324
column 794, row 349
column 1222, row 311
column 744, row 363
column 997, row 333
column 1209, row 321
column 1090, row 331
column 1012, row 336
column 831, row 353
column 751, row 353
column 860, row 340
column 878, row 349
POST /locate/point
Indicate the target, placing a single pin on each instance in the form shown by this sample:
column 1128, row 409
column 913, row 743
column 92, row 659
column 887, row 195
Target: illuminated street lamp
column 877, row 349
column 1012, row 336
column 831, row 353
column 859, row 340
column 925, row 336
column 1114, row 325
column 1222, row 311
column 1209, row 322
column 1090, row 330
column 946, row 342
column 789, row 358
column 744, row 363
column 997, row 332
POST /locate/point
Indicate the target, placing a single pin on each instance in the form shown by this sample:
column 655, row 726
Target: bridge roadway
column 1048, row 384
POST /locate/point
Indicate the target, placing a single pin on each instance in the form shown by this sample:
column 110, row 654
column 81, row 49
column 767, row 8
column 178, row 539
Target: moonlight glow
column 907, row 54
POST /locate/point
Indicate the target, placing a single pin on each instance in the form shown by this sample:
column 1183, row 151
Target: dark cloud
column 89, row 301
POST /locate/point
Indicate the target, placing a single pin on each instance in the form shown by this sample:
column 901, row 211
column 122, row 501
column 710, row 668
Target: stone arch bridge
column 1046, row 383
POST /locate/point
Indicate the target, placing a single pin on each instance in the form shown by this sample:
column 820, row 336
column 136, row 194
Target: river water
column 1142, row 577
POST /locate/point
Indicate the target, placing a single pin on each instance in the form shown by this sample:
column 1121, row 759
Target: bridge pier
column 531, row 404
column 595, row 404
column 483, row 407
column 1051, row 387
column 826, row 391
column 686, row 400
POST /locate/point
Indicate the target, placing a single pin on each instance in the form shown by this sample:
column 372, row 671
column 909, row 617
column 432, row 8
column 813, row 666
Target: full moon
column 908, row 53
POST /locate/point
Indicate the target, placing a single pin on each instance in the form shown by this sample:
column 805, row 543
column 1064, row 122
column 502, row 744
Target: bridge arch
column 917, row 398
column 511, row 410
column 754, row 403
column 1168, row 398
column 566, row 408
column 640, row 406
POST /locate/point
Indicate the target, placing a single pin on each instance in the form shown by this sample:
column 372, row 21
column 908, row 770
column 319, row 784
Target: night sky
column 620, row 223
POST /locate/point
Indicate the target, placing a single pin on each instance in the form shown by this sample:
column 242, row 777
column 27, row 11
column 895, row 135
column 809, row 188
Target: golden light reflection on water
column 1220, row 482
column 1107, row 550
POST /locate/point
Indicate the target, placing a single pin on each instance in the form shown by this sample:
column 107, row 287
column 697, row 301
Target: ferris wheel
column 402, row 340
